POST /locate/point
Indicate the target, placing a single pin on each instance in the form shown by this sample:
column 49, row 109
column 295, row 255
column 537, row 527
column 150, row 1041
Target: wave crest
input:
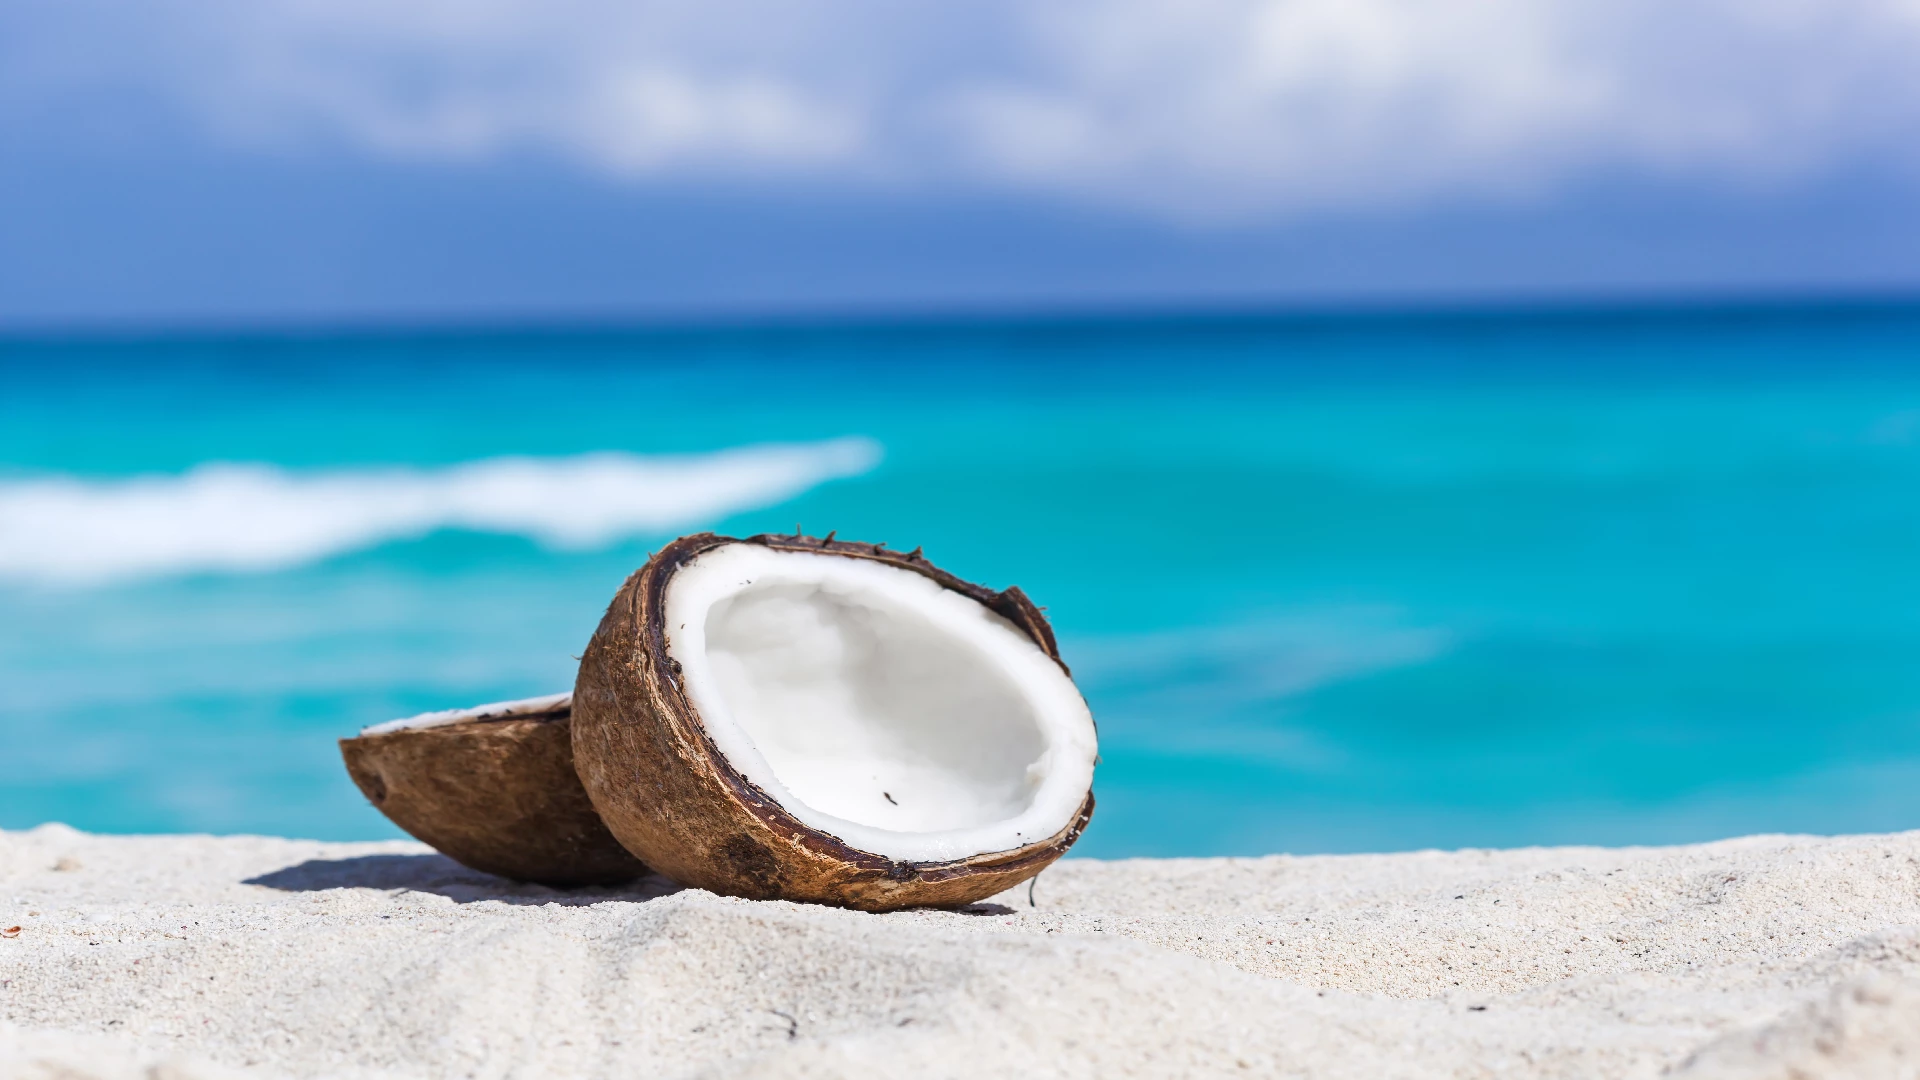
column 251, row 517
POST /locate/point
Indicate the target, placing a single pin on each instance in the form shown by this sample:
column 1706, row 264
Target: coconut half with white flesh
column 784, row 717
column 493, row 788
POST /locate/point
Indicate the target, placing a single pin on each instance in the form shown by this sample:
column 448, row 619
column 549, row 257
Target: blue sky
column 219, row 161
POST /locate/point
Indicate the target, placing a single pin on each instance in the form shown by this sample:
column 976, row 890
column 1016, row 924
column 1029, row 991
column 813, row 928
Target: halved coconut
column 802, row 719
column 493, row 788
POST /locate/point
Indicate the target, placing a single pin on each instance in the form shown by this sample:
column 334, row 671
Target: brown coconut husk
column 497, row 795
column 672, row 799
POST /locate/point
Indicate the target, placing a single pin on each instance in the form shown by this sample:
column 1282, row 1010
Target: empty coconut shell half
column 492, row 788
column 784, row 717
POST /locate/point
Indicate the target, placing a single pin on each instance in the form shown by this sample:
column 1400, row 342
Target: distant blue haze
column 138, row 238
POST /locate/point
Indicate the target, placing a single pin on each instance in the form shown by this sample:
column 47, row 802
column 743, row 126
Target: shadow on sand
column 442, row 876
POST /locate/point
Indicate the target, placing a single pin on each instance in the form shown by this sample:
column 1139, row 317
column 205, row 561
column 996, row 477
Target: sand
column 190, row 956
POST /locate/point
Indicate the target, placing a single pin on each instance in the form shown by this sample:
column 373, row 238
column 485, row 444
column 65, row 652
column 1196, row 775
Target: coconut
column 784, row 717
column 493, row 788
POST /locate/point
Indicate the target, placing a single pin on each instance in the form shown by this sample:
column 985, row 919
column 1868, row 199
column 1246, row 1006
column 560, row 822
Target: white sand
column 179, row 957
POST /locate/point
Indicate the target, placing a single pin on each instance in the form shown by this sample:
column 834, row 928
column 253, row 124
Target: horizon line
column 1037, row 315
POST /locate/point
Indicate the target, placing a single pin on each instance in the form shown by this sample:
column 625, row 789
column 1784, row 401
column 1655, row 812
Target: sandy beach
column 190, row 956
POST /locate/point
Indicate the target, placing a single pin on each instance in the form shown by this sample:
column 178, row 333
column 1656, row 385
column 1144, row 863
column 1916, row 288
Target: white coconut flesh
column 499, row 710
column 906, row 719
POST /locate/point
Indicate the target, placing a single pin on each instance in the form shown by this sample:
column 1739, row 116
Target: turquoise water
column 1330, row 584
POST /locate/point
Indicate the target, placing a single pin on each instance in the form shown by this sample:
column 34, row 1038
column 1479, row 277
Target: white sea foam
column 250, row 517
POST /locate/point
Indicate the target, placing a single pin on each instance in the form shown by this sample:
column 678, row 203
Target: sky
column 222, row 161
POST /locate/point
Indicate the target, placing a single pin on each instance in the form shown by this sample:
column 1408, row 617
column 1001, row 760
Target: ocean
column 1338, row 583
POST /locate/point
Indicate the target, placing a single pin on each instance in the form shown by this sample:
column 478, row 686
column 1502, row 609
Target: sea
column 1331, row 583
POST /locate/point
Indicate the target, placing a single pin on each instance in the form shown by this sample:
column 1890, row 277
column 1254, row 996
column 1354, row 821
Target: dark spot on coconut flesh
column 890, row 798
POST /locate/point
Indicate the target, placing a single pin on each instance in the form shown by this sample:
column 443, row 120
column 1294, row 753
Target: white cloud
column 1193, row 108
column 1232, row 106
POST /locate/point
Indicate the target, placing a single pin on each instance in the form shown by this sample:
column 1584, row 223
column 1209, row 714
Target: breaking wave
column 250, row 517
